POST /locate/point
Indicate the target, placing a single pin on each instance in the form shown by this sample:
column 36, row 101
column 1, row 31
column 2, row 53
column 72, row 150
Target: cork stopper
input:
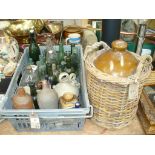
column 68, row 96
column 119, row 45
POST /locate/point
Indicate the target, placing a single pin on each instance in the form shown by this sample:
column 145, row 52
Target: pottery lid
column 72, row 29
column 68, row 96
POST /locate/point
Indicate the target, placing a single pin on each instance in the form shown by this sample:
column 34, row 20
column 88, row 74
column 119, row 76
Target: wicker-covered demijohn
column 109, row 96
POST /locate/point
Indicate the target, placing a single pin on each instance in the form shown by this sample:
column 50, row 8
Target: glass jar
column 117, row 61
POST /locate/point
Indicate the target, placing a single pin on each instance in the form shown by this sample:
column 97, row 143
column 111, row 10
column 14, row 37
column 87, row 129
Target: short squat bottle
column 22, row 100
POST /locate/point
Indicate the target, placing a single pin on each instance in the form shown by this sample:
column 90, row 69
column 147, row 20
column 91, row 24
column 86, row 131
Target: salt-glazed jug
column 67, row 84
column 47, row 97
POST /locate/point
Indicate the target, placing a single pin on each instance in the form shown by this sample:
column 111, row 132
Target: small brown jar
column 22, row 100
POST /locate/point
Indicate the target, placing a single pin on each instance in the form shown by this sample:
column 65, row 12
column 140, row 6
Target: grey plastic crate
column 50, row 119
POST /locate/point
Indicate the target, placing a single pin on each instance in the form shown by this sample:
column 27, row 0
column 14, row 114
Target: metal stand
column 141, row 38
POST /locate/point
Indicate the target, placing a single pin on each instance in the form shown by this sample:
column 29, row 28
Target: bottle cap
column 77, row 105
column 68, row 96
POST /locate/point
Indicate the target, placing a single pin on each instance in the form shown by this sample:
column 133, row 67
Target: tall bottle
column 75, row 58
column 22, row 100
column 50, row 52
column 61, row 53
column 34, row 50
column 69, row 69
column 51, row 77
column 47, row 98
column 34, row 95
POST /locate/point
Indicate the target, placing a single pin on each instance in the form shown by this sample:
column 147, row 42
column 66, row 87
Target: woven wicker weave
column 108, row 94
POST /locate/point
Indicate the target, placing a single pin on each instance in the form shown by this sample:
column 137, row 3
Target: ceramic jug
column 67, row 84
column 117, row 61
column 47, row 98
column 22, row 100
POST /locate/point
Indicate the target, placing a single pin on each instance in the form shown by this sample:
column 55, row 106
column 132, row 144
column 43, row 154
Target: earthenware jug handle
column 64, row 77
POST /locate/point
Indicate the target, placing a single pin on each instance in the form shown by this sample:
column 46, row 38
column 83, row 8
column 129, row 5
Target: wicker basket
column 110, row 95
column 151, row 79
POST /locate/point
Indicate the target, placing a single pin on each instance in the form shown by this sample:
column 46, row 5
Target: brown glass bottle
column 117, row 61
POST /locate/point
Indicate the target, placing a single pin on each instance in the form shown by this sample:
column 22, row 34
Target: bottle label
column 133, row 91
column 35, row 122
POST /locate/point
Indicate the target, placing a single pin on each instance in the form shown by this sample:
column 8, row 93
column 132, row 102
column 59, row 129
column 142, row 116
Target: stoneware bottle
column 47, row 97
column 22, row 100
column 117, row 61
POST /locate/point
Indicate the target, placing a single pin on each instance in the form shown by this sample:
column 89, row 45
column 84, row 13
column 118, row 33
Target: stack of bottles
column 42, row 73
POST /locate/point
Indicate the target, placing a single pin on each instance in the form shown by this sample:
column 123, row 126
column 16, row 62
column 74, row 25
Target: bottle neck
column 33, row 89
column 21, row 92
column 118, row 50
column 45, row 84
column 32, row 40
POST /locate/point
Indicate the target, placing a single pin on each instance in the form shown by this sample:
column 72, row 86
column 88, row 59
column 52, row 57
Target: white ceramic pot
column 67, row 85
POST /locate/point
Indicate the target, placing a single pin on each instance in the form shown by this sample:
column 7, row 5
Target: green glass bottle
column 61, row 57
column 51, row 77
column 34, row 50
column 34, row 95
column 69, row 69
column 75, row 59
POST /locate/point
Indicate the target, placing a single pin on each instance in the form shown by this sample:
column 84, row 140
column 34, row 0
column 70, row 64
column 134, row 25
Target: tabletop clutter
column 51, row 80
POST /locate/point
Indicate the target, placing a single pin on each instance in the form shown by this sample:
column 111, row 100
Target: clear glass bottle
column 34, row 50
column 47, row 98
column 30, row 75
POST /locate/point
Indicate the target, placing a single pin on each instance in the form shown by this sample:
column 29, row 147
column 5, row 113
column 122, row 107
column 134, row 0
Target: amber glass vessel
column 117, row 61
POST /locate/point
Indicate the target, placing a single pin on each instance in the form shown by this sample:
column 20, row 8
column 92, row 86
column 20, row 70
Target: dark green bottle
column 34, row 50
column 34, row 95
column 51, row 77
column 75, row 59
column 61, row 57
column 69, row 68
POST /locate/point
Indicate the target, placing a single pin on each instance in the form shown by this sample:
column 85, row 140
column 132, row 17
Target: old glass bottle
column 75, row 59
column 34, row 95
column 41, row 70
column 34, row 50
column 22, row 100
column 51, row 77
column 117, row 61
column 30, row 75
column 69, row 69
column 61, row 53
column 47, row 98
